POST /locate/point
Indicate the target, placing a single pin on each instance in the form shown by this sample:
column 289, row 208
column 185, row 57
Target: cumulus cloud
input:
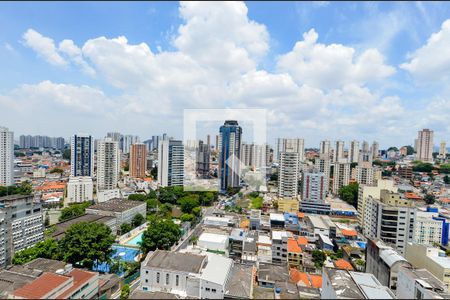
column 431, row 62
column 74, row 53
column 44, row 47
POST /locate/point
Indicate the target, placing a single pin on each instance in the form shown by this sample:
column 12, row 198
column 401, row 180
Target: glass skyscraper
column 230, row 154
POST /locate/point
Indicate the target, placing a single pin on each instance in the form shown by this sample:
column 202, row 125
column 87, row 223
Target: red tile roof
column 343, row 264
column 41, row 286
column 349, row 232
column 409, row 195
column 292, row 246
column 301, row 240
column 80, row 277
column 309, row 280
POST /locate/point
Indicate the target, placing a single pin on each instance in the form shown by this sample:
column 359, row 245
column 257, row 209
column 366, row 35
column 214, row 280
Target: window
column 207, row 289
column 157, row 277
column 146, row 280
column 146, row 271
column 177, row 280
column 144, row 288
column 167, row 278
column 213, row 290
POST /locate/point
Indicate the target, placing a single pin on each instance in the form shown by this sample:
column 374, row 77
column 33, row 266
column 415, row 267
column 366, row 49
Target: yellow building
column 295, row 254
column 288, row 205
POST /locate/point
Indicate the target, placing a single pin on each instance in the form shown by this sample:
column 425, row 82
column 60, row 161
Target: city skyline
column 146, row 62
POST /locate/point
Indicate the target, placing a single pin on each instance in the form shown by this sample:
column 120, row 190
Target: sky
column 322, row 70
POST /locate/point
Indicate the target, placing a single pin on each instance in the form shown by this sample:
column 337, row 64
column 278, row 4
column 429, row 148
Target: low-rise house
column 295, row 253
column 214, row 242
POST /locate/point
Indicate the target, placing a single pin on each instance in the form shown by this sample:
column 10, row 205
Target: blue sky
column 362, row 70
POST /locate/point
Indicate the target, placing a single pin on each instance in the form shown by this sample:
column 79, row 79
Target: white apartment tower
column 365, row 146
column 442, row 150
column 108, row 164
column 170, row 163
column 338, row 153
column 6, row 156
column 79, row 189
column 315, row 187
column 325, row 147
column 353, row 153
column 288, row 175
column 341, row 175
column 291, row 145
column 375, row 150
column 82, row 155
column 425, row 145
column 364, row 169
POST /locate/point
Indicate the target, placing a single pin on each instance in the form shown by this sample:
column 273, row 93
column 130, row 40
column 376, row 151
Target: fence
column 130, row 278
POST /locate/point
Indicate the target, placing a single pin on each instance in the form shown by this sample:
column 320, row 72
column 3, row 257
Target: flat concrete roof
column 176, row 261
column 61, row 227
column 116, row 205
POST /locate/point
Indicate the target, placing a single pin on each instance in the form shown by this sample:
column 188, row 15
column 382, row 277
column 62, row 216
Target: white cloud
column 431, row 62
column 44, row 47
column 332, row 66
column 74, row 53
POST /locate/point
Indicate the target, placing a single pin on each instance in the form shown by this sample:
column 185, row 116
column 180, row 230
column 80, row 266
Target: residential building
column 138, row 160
column 291, row 145
column 338, row 153
column 374, row 191
column 115, row 136
column 6, row 156
column 425, row 145
column 127, row 141
column 186, row 274
column 255, row 156
column 325, row 148
column 419, row 284
column 202, row 160
column 365, row 147
column 82, row 155
column 280, row 245
column 108, row 164
column 428, row 229
column 22, row 224
column 442, row 150
column 295, row 253
column 123, row 210
column 214, row 242
column 288, row 175
column 288, row 205
column 3, row 238
column 375, row 150
column 364, row 169
column 384, row 262
column 433, row 259
column 353, row 155
column 314, row 187
column 322, row 165
column 405, row 172
column 344, row 284
column 79, row 189
column 171, row 163
column 341, row 175
column 230, row 155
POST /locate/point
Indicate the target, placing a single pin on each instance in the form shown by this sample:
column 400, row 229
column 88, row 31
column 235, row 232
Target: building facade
column 108, row 164
column 353, row 152
column 338, row 153
column 425, row 145
column 170, row 163
column 230, row 155
column 291, row 145
column 288, row 175
column 79, row 189
column 202, row 160
column 82, row 155
column 138, row 160
column 341, row 175
column 6, row 156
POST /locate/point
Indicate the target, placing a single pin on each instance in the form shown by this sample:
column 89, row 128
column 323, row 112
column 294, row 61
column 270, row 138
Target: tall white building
column 79, row 189
column 6, row 156
column 322, row 164
column 82, row 155
column 425, row 145
column 108, row 164
column 325, row 147
column 341, row 175
column 375, row 150
column 364, row 169
column 427, row 230
column 442, row 149
column 291, row 145
column 365, row 146
column 288, row 175
column 170, row 163
column 315, row 187
column 353, row 152
column 127, row 141
column 338, row 153
column 255, row 155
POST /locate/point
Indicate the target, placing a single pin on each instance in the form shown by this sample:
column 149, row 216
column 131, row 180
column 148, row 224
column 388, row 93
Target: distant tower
column 138, row 160
column 230, row 154
column 325, row 147
column 108, row 164
column 338, row 153
column 170, row 163
column 375, row 150
column 442, row 150
column 353, row 154
column 82, row 155
column 425, row 145
column 6, row 156
column 291, row 145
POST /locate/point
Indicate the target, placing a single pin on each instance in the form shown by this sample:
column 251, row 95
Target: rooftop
column 278, row 234
column 10, row 281
column 273, row 273
column 217, row 268
column 45, row 264
column 41, row 286
column 343, row 284
column 138, row 294
column 80, row 277
column 240, row 283
column 63, row 226
column 390, row 257
column 176, row 261
column 317, row 222
column 343, row 264
column 305, row 279
column 213, row 237
column 292, row 246
column 116, row 205
column 14, row 197
column 276, row 217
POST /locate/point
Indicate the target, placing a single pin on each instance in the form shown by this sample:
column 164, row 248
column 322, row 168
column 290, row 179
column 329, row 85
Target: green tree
column 74, row 210
column 57, row 170
column 152, row 204
column 429, row 199
column 377, row 162
column 137, row 197
column 446, row 179
column 196, row 211
column 349, row 194
column 353, row 165
column 257, row 203
column 253, row 194
column 154, row 172
column 444, row 168
column 273, row 177
column 188, row 203
column 318, row 258
column 44, row 249
column 339, row 253
column 125, row 292
column 160, row 234
column 186, row 217
column 84, row 243
column 422, row 167
column 152, row 195
column 409, row 150
column 47, row 220
column 392, row 148
column 138, row 220
column 125, row 227
column 66, row 154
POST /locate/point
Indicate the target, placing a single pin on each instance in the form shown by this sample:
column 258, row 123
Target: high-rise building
column 79, row 189
column 425, row 145
column 288, row 175
column 22, row 224
column 314, row 187
column 338, row 153
column 171, row 163
column 202, row 160
column 364, row 169
column 291, row 145
column 365, row 147
column 6, row 156
column 208, row 142
column 108, row 164
column 230, row 155
column 322, row 165
column 115, row 136
column 82, row 155
column 138, row 160
column 375, row 150
column 353, row 154
column 341, row 175
column 442, row 150
column 155, row 142
column 217, row 145
column 255, row 156
column 325, row 147
column 127, row 141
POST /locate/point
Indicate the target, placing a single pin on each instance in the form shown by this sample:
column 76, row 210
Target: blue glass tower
column 230, row 154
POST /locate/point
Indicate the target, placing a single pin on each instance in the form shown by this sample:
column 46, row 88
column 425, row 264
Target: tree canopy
column 422, row 167
column 24, row 188
column 84, row 243
column 125, row 227
column 349, row 194
column 44, row 249
column 429, row 199
column 137, row 197
column 188, row 203
column 318, row 258
column 138, row 220
column 160, row 234
column 74, row 210
column 66, row 154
